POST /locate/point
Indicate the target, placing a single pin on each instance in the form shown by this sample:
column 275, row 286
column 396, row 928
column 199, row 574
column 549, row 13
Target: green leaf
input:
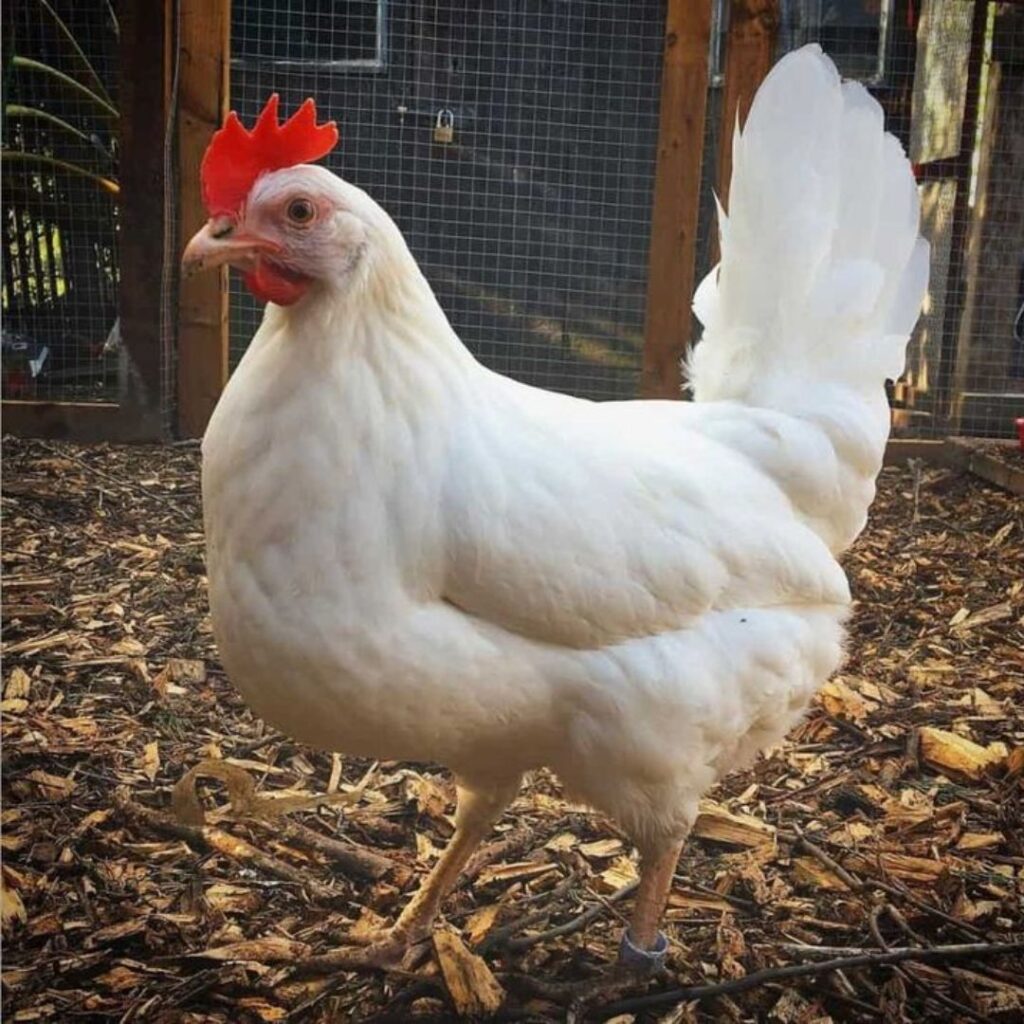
column 66, row 32
column 11, row 156
column 17, row 110
column 34, row 65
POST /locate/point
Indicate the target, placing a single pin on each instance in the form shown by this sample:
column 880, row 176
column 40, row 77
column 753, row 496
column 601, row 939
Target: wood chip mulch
column 886, row 836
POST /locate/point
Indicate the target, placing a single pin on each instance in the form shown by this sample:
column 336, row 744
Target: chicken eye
column 301, row 211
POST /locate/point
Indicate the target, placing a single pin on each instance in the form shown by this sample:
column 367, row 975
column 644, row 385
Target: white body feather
column 412, row 557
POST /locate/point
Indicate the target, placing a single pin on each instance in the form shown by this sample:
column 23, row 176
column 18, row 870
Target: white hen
column 413, row 557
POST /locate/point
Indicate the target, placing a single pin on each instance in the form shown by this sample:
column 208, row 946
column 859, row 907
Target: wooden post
column 988, row 381
column 962, row 366
column 959, row 229
column 204, row 64
column 143, row 53
column 749, row 52
column 677, row 184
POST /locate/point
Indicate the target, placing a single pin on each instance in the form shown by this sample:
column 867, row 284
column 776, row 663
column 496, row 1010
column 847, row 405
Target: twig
column 904, row 925
column 899, row 891
column 803, row 843
column 802, row 951
column 500, row 936
column 575, row 994
column 207, row 837
column 576, row 924
column 353, row 860
column 916, row 467
column 902, row 892
column 849, row 728
column 854, row 1001
column 515, row 842
column 929, row 991
column 168, row 503
column 859, row 958
column 876, row 932
column 749, row 906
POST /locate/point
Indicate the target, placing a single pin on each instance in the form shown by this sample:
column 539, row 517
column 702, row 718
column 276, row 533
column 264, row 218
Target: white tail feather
column 822, row 272
column 821, row 280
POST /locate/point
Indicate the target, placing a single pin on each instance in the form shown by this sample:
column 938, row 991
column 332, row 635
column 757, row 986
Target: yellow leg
column 475, row 814
column 643, row 944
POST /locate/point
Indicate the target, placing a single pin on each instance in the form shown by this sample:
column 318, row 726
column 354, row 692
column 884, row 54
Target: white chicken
column 412, row 557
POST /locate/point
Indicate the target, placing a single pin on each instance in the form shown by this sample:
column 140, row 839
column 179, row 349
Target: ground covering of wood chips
column 891, row 819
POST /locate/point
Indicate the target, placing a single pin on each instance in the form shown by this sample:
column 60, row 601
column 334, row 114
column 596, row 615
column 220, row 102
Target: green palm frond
column 10, row 156
column 17, row 110
column 98, row 86
column 28, row 64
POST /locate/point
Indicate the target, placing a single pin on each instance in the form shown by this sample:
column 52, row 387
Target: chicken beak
column 220, row 241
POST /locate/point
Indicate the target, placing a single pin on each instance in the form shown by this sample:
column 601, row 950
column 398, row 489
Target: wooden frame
column 750, row 47
column 203, row 83
column 677, row 183
column 960, row 228
column 77, row 421
column 749, row 53
column 137, row 416
column 198, row 32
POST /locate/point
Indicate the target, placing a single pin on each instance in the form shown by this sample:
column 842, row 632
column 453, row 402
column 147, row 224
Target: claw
column 386, row 954
column 382, row 951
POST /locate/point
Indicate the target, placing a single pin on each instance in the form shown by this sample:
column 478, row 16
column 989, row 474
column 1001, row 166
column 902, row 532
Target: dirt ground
column 892, row 818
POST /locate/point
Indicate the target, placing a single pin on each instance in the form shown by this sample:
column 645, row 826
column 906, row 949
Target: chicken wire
column 958, row 85
column 60, row 269
column 533, row 222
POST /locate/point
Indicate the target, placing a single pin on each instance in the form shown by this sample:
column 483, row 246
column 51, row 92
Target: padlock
column 444, row 127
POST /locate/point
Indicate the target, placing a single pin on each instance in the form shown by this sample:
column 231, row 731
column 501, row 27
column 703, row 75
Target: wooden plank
column 677, row 184
column 986, row 362
column 969, row 328
column 202, row 300
column 963, row 454
column 961, row 208
column 78, row 421
column 749, row 53
column 143, row 55
column 899, row 449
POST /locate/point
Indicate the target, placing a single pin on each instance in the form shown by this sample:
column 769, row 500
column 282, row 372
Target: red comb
column 236, row 157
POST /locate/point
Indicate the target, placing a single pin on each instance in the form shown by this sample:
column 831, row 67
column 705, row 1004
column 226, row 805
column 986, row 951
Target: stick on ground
column 860, row 958
column 207, row 837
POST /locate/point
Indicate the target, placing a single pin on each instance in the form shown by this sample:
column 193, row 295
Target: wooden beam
column 79, row 421
column 956, row 288
column 749, row 53
column 203, row 300
column 677, row 184
column 965, row 349
column 899, row 449
column 144, row 56
column 965, row 455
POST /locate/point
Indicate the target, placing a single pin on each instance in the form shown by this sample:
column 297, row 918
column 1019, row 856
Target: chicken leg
column 476, row 812
column 643, row 945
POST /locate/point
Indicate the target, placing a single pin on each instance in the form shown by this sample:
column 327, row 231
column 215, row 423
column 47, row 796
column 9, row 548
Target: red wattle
column 271, row 284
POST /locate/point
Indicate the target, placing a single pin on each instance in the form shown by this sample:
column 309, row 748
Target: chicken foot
column 476, row 812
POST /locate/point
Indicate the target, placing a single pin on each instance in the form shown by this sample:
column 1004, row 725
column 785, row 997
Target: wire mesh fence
column 60, row 270
column 531, row 220
column 515, row 145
